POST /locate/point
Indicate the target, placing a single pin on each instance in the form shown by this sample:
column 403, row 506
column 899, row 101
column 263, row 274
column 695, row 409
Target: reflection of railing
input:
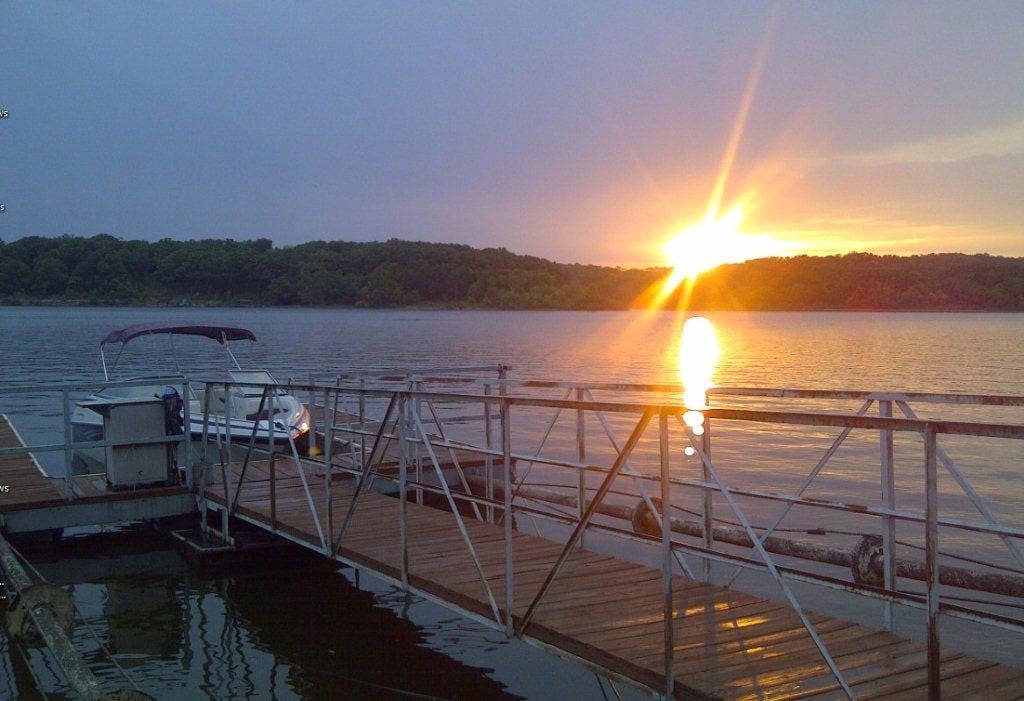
column 69, row 446
column 403, row 420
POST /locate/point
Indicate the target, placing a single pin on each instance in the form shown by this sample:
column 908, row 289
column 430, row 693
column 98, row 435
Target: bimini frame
column 221, row 333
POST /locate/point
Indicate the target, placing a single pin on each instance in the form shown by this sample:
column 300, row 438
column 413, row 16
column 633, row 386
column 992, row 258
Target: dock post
column 328, row 457
column 186, row 393
column 506, row 519
column 503, row 391
column 488, row 460
column 362, row 423
column 931, row 542
column 204, row 524
column 709, row 541
column 226, row 463
column 271, row 437
column 666, row 554
column 414, row 385
column 403, row 470
column 69, row 487
column 311, row 435
column 581, row 456
column 889, row 502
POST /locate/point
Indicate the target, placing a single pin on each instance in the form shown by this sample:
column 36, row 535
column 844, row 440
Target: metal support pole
column 205, row 472
column 224, row 527
column 362, row 423
column 186, row 408
column 708, row 503
column 488, row 460
column 69, row 468
column 931, row 543
column 506, row 449
column 227, row 447
column 417, row 453
column 503, row 391
column 271, row 438
column 328, row 457
column 581, row 456
column 311, row 436
column 889, row 502
column 666, row 555
column 403, row 505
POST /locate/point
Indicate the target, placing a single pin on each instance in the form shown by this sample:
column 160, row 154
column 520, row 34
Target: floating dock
column 36, row 502
column 608, row 612
column 389, row 492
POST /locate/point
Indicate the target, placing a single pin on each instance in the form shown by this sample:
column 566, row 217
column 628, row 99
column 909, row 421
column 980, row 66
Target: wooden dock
column 25, row 482
column 34, row 501
column 608, row 612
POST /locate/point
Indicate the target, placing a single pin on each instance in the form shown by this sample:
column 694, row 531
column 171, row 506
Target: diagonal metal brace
column 252, row 444
column 961, row 479
column 806, row 483
column 458, row 517
column 683, row 565
column 367, row 467
column 602, row 491
column 770, row 564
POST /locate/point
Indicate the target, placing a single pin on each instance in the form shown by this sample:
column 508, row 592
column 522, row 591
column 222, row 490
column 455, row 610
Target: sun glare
column 704, row 246
column 698, row 357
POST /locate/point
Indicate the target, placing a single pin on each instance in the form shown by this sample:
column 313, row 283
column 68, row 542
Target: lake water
column 187, row 636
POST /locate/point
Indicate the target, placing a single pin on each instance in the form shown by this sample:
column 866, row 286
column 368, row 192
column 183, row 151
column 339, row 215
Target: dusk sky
column 578, row 131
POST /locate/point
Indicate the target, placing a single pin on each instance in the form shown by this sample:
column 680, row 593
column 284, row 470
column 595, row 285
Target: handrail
column 966, row 428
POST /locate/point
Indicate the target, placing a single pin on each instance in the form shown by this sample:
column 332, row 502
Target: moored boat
column 243, row 413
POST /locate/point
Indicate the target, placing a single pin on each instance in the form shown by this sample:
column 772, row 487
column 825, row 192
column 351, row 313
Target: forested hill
column 107, row 270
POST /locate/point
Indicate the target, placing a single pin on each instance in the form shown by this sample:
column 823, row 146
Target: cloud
column 1005, row 139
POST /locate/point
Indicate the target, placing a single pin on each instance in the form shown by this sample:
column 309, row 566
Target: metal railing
column 384, row 415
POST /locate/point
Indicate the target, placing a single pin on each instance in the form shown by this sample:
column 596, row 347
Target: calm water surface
column 263, row 634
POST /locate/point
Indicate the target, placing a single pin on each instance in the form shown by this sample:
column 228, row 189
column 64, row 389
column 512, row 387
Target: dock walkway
column 609, row 612
column 33, row 501
column 22, row 482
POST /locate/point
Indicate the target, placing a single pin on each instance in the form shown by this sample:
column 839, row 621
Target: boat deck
column 609, row 612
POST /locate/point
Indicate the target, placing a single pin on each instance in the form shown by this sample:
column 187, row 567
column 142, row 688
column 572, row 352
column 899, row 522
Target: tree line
column 104, row 269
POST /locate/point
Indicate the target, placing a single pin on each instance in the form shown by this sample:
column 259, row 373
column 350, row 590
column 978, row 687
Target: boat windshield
column 262, row 377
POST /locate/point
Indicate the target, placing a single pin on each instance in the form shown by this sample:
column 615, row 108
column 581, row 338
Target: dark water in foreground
column 264, row 633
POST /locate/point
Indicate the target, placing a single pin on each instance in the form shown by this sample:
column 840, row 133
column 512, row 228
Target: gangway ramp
column 603, row 611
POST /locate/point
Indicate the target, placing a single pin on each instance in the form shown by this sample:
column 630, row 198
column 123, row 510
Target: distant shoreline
column 213, row 304
column 103, row 270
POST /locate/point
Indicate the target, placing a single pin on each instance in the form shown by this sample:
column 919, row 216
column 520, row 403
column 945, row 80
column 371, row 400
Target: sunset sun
column 712, row 242
column 706, row 245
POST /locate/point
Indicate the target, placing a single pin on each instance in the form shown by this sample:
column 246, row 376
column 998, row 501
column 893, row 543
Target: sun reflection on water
column 698, row 357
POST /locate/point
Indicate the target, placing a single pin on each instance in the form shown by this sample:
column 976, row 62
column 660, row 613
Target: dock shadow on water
column 288, row 625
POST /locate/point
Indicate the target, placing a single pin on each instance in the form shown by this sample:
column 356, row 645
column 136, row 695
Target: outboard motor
column 174, row 420
column 174, row 423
